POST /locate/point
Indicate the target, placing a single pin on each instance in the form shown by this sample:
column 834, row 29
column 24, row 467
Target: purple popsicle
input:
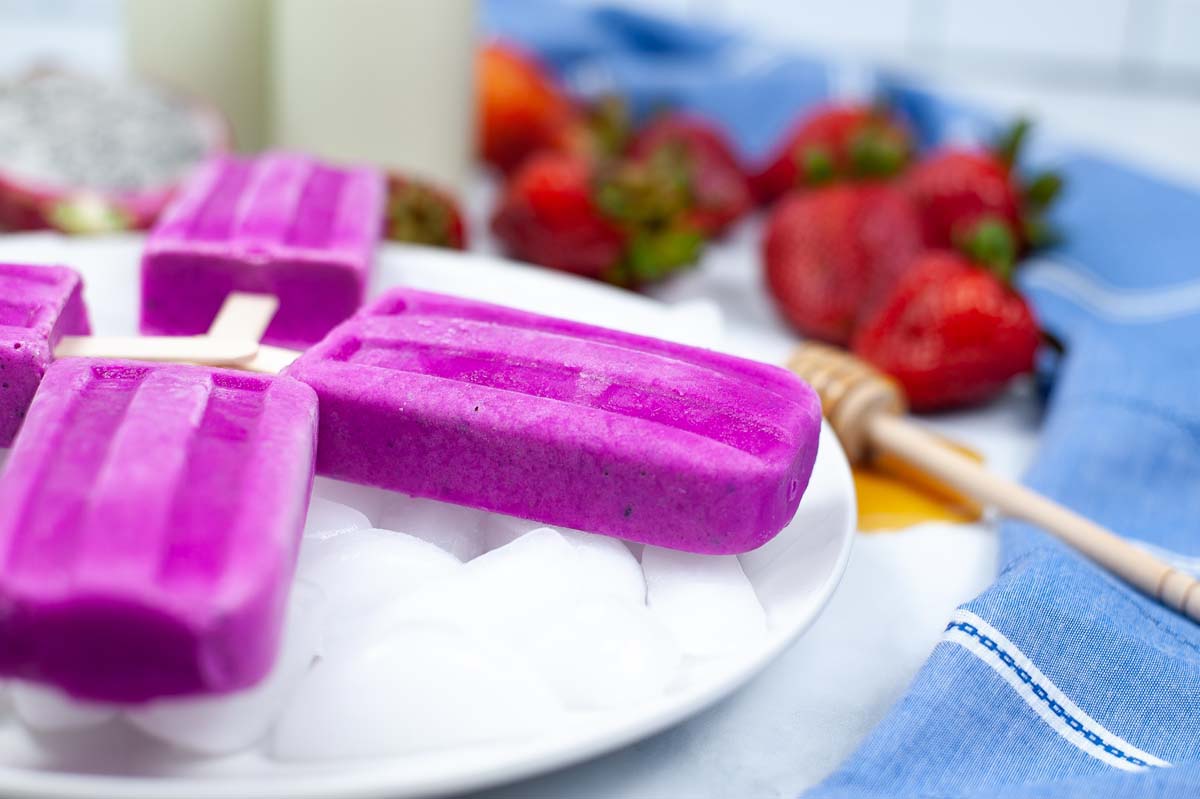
column 562, row 423
column 151, row 520
column 277, row 224
column 38, row 306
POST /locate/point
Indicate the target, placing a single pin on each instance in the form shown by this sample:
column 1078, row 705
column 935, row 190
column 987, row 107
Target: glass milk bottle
column 381, row 81
column 215, row 50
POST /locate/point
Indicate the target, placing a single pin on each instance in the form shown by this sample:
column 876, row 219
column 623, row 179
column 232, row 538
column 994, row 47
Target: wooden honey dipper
column 866, row 410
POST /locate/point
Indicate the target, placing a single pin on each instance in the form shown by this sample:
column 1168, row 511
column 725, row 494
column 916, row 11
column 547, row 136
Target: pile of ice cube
column 417, row 625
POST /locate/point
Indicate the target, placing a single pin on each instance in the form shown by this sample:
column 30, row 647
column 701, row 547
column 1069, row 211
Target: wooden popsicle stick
column 864, row 408
column 269, row 360
column 201, row 350
column 247, row 316
column 244, row 316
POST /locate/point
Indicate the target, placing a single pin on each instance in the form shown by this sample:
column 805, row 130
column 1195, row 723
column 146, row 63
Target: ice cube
column 500, row 593
column 424, row 686
column 606, row 563
column 222, row 725
column 453, row 528
column 327, row 518
column 600, row 652
column 515, row 583
column 607, row 566
column 500, row 530
column 704, row 600
column 368, row 499
column 362, row 569
column 47, row 709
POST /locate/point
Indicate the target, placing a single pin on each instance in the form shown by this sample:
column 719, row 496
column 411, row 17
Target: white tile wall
column 1058, row 30
column 1179, row 46
column 1138, row 38
column 862, row 25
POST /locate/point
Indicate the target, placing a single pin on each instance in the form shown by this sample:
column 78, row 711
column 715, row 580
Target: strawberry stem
column 875, row 154
column 991, row 243
column 418, row 215
column 816, row 166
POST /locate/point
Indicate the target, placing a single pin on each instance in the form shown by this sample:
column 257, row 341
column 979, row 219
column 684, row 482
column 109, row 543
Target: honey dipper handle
column 1150, row 575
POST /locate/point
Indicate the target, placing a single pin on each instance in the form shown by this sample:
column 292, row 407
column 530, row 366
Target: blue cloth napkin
column 1058, row 681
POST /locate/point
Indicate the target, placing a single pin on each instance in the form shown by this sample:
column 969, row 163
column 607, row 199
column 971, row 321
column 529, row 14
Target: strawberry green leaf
column 1008, row 148
column 655, row 254
column 991, row 242
column 610, row 125
column 1040, row 192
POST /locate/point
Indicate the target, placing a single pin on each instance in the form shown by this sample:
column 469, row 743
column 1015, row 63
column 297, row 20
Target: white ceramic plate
column 794, row 575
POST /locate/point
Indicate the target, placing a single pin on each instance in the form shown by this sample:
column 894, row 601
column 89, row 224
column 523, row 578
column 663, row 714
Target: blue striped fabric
column 1057, row 681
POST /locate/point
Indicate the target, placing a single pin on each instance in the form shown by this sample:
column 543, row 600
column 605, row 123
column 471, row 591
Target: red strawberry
column 623, row 222
column 972, row 200
column 851, row 141
column 420, row 213
column 521, row 108
column 549, row 216
column 698, row 135
column 950, row 332
column 720, row 192
column 832, row 253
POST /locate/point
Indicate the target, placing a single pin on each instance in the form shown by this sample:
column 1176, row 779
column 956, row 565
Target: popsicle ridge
column 48, row 545
column 683, row 394
column 316, row 214
column 181, row 544
column 563, row 423
column 413, row 302
column 217, row 214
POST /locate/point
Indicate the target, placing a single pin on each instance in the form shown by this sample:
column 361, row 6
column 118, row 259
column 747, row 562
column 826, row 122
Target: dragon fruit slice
column 82, row 155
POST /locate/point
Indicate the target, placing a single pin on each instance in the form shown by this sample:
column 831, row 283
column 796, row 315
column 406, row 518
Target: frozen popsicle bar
column 562, row 423
column 277, row 224
column 152, row 515
column 38, row 306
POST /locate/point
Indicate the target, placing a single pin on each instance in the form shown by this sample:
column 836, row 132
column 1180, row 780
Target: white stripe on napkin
column 1131, row 306
column 1085, row 733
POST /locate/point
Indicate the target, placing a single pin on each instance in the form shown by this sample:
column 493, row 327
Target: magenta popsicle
column 562, row 423
column 38, row 306
column 151, row 520
column 277, row 224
